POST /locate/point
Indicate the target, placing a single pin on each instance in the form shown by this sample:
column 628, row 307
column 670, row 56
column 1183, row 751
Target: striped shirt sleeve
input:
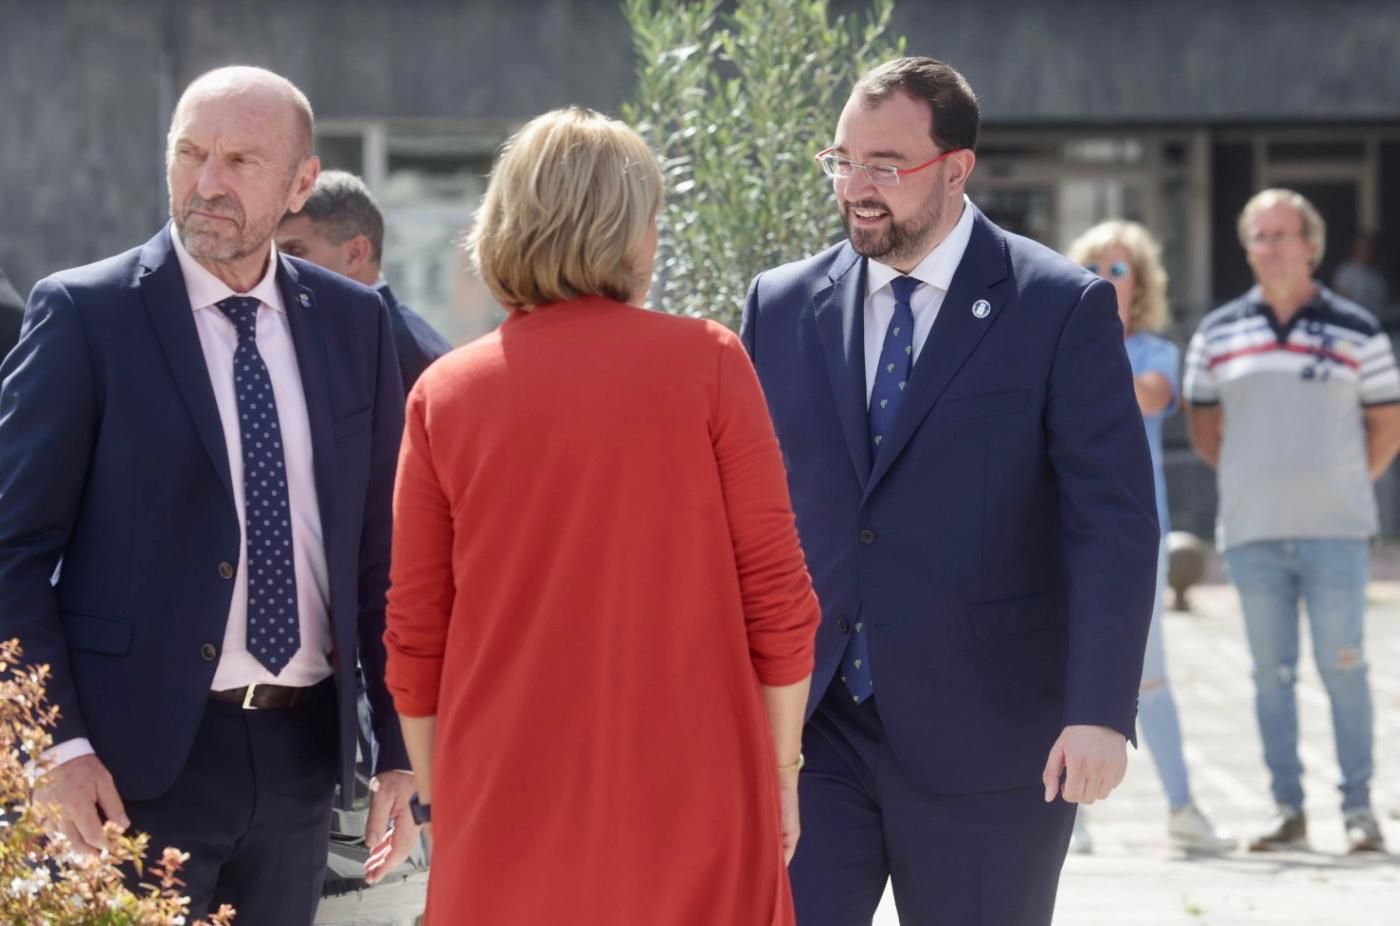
column 1199, row 386
column 1380, row 379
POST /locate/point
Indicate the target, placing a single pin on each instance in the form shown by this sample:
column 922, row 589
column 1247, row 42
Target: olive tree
column 736, row 99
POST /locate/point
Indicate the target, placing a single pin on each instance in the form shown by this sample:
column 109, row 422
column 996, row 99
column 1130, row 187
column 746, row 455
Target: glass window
column 1316, row 151
column 434, row 178
column 1022, row 210
column 1104, row 150
column 342, row 152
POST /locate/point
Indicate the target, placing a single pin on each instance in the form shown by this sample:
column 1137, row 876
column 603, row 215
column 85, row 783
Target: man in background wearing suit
column 974, row 495
column 197, row 449
column 341, row 228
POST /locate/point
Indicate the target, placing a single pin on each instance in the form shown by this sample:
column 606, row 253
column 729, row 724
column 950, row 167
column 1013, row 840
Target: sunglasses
column 1117, row 270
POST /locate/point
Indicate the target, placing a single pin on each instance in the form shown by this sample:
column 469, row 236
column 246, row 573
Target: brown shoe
column 1364, row 831
column 1287, row 829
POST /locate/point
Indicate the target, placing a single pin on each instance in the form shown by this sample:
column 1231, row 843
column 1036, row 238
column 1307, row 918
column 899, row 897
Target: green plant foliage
column 736, row 99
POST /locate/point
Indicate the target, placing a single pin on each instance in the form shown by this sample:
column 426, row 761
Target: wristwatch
column 422, row 813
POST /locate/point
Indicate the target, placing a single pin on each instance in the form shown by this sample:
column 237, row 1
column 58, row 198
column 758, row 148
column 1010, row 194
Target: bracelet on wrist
column 795, row 766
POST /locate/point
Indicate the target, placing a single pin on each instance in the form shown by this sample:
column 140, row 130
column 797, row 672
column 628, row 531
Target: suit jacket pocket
column 984, row 406
column 350, row 425
column 1019, row 615
column 97, row 634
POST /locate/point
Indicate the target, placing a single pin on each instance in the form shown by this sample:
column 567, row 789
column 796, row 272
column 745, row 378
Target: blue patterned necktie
column 891, row 379
column 896, row 360
column 273, row 631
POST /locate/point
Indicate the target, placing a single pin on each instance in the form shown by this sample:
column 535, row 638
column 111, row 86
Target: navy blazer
column 117, row 519
column 416, row 342
column 1002, row 548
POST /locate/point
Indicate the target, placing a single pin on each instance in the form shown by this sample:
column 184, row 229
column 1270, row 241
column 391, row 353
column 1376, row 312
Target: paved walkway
column 1134, row 879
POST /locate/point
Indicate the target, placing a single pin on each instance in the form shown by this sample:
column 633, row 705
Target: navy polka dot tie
column 273, row 632
column 891, row 382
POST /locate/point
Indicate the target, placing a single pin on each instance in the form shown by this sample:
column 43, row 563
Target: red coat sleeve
column 421, row 591
column 780, row 607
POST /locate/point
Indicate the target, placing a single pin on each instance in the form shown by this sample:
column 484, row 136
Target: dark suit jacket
column 116, row 508
column 1003, row 546
column 415, row 341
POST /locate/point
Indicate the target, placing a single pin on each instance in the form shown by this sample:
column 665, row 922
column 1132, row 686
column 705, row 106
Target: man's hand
column 792, row 826
column 79, row 789
column 1093, row 761
column 388, row 801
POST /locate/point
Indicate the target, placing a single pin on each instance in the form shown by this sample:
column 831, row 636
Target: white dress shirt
column 935, row 271
column 218, row 339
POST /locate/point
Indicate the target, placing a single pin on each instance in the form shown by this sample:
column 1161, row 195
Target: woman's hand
column 792, row 826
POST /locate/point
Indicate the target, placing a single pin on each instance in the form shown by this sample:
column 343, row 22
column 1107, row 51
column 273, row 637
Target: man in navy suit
column 974, row 495
column 340, row 227
column 197, row 448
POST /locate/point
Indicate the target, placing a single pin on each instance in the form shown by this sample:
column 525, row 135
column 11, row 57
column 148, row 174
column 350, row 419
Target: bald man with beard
column 197, row 449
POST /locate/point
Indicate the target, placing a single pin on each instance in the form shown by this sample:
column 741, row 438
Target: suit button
column 226, row 570
column 867, row 537
column 208, row 651
column 842, row 626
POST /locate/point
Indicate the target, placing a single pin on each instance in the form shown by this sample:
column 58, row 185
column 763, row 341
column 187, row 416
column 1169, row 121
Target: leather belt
column 261, row 697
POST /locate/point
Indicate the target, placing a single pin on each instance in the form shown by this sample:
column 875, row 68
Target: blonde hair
column 1314, row 228
column 1149, row 309
column 570, row 201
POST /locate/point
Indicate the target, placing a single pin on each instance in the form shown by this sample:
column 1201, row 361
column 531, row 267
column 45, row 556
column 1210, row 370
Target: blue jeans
column 1331, row 576
column 1157, row 715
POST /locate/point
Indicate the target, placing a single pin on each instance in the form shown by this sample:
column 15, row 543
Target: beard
column 898, row 242
column 228, row 238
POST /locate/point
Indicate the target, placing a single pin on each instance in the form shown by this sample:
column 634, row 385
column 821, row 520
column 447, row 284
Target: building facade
column 1170, row 114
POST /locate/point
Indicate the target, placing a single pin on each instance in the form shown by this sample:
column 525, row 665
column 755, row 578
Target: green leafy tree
column 736, row 100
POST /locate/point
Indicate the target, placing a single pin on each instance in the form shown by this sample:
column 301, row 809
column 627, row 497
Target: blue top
column 1148, row 353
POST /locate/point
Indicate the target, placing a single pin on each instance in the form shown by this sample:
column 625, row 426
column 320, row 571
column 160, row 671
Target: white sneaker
column 1190, row 831
column 1080, row 842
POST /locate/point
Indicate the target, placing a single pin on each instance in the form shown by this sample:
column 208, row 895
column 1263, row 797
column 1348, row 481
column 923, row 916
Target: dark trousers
column 252, row 808
column 984, row 859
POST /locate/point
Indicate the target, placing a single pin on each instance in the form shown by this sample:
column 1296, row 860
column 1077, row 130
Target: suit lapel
column 840, row 317
column 310, row 344
column 955, row 335
column 168, row 305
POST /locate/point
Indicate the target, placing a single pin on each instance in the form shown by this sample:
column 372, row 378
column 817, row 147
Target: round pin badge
column 981, row 308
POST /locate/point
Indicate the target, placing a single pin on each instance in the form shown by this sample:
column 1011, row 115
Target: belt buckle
column 248, row 698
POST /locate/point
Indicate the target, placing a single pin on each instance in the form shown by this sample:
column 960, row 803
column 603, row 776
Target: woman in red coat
column 600, row 627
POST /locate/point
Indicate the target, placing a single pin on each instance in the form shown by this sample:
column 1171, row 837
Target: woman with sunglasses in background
column 1125, row 254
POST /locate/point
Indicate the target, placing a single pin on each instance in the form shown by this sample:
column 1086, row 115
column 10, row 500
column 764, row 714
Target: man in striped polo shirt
column 1293, row 395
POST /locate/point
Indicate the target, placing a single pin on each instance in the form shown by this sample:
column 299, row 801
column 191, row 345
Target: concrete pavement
column 1133, row 878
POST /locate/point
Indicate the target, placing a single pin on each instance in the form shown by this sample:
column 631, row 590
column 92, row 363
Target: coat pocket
column 984, row 406
column 97, row 634
column 351, row 425
column 1019, row 615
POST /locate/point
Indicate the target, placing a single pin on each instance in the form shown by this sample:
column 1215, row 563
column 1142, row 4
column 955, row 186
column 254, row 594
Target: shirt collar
column 937, row 267
column 1321, row 295
column 205, row 289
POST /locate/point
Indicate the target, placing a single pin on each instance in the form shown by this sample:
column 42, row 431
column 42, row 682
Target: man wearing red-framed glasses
column 974, row 495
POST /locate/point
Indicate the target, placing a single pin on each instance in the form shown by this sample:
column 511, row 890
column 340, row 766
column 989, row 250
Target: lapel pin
column 305, row 300
column 981, row 308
